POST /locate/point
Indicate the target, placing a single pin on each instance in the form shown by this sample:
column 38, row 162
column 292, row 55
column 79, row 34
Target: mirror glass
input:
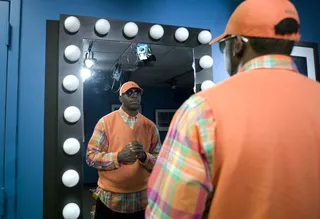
column 165, row 73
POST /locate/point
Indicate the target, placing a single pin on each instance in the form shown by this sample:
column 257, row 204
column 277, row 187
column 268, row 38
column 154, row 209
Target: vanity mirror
column 87, row 60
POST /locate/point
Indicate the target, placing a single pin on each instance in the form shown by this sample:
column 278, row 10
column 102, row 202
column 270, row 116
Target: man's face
column 231, row 61
column 131, row 99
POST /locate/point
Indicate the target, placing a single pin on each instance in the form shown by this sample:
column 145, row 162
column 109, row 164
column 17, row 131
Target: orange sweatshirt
column 128, row 178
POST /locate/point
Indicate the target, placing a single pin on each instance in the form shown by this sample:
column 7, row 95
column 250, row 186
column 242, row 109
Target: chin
column 133, row 108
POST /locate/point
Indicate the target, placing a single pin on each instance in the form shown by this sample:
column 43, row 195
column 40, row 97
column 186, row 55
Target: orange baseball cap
column 258, row 18
column 128, row 85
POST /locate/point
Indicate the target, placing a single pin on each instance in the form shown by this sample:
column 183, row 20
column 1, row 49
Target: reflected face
column 131, row 99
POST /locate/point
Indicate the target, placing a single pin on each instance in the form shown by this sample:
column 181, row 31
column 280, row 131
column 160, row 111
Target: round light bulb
column 71, row 146
column 102, row 26
column 130, row 29
column 206, row 62
column 181, row 34
column 71, row 211
column 70, row 83
column 72, row 53
column 70, row 178
column 207, row 84
column 204, row 37
column 72, row 114
column 156, row 32
column 72, row 24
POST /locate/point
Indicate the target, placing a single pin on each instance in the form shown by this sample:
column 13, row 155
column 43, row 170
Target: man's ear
column 238, row 46
column 120, row 99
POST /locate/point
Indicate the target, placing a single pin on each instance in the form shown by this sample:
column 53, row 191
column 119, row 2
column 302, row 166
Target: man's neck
column 132, row 113
column 246, row 58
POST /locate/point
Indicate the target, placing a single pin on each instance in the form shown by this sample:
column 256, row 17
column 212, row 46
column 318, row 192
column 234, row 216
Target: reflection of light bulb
column 85, row 73
column 89, row 63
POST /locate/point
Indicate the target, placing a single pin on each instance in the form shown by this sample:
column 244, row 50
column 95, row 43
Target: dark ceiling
column 173, row 64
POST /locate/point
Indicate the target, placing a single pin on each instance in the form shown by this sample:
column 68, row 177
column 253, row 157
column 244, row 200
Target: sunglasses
column 132, row 92
column 222, row 43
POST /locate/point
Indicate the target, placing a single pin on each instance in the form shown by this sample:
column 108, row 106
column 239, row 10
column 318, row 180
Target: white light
column 70, row 83
column 85, row 74
column 89, row 63
column 72, row 53
column 71, row 146
column 204, row 37
column 130, row 29
column 70, row 178
column 72, row 114
column 195, row 89
column 206, row 62
column 102, row 26
column 181, row 34
column 72, row 24
column 207, row 84
column 156, row 32
column 71, row 211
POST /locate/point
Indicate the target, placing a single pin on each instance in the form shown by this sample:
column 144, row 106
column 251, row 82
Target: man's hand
column 141, row 155
column 130, row 153
column 127, row 155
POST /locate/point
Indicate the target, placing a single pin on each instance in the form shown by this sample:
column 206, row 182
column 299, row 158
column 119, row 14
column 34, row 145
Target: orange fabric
column 120, row 135
column 127, row 86
column 258, row 18
column 281, row 178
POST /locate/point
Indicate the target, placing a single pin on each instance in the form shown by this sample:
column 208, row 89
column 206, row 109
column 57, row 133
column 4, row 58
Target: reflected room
column 165, row 73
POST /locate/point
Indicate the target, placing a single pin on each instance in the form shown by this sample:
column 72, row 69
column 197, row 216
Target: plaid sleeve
column 181, row 180
column 153, row 151
column 97, row 156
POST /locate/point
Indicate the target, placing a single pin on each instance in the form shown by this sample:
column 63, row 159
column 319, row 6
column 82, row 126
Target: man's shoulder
column 109, row 116
column 147, row 120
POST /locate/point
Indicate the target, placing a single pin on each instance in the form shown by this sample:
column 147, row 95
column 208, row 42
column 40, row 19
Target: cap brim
column 218, row 39
column 138, row 88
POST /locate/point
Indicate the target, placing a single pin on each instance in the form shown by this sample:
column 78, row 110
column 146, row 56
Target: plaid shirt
column 180, row 185
column 99, row 159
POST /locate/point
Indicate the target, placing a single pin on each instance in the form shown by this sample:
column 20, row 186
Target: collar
column 270, row 61
column 126, row 115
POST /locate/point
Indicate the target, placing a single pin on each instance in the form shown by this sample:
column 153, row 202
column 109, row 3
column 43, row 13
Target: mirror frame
column 56, row 129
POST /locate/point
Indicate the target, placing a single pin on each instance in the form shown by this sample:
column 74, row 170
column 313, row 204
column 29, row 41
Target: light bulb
column 156, row 32
column 72, row 24
column 206, row 62
column 72, row 114
column 207, row 84
column 181, row 34
column 102, row 26
column 130, row 29
column 72, row 53
column 204, row 37
column 70, row 83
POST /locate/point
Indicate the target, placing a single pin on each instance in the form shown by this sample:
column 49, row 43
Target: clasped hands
column 131, row 152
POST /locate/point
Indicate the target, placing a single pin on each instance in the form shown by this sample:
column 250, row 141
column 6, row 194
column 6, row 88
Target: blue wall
column 98, row 105
column 27, row 70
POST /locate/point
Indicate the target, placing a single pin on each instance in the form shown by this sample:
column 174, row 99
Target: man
column 251, row 142
column 124, row 147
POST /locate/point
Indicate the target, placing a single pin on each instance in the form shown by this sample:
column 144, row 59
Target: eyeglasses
column 222, row 43
column 132, row 92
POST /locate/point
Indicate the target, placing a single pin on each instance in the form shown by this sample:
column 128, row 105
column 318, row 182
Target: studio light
column 89, row 59
column 144, row 54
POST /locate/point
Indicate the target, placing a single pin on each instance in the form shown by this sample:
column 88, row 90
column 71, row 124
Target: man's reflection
column 124, row 147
